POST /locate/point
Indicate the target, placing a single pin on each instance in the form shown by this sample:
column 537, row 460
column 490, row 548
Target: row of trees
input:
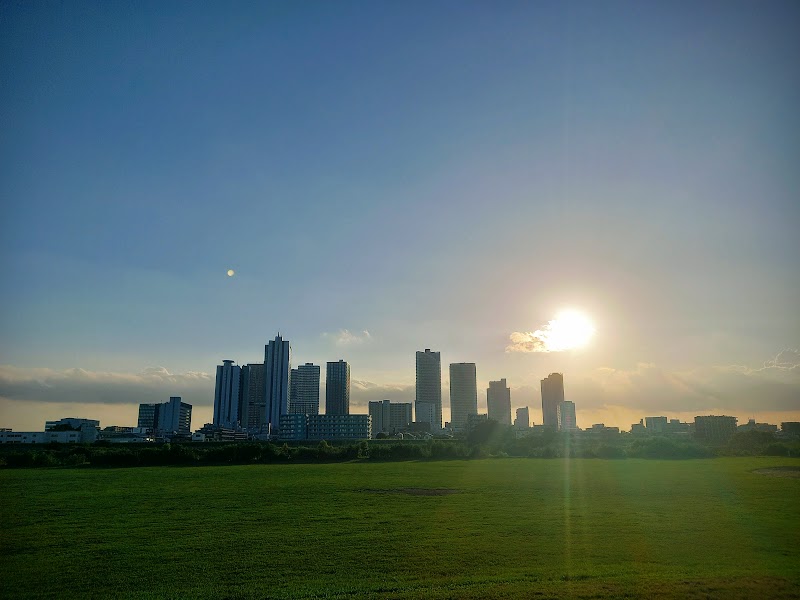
column 487, row 440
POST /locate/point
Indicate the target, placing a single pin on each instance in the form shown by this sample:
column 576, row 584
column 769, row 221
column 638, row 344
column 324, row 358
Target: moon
column 231, row 272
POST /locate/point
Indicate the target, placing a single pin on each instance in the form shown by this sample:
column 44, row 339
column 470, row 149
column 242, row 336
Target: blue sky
column 437, row 174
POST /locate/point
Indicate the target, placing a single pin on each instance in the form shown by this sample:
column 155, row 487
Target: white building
column 463, row 394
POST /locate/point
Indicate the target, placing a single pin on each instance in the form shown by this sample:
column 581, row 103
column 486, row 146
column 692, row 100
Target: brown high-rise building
column 552, row 395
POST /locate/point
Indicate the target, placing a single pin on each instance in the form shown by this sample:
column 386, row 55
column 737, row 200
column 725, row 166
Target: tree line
column 487, row 440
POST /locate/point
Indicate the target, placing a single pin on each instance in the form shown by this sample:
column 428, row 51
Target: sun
column 570, row 329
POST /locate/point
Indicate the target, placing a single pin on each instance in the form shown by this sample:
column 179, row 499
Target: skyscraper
column 523, row 420
column 277, row 366
column 463, row 394
column 498, row 402
column 227, row 395
column 381, row 414
column 253, row 414
column 304, row 390
column 337, row 388
column 565, row 411
column 429, row 387
column 552, row 394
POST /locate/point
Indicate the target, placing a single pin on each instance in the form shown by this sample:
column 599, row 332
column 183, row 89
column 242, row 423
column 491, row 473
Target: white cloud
column 344, row 337
column 526, row 341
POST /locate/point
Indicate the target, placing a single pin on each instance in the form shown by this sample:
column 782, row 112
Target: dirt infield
column 778, row 471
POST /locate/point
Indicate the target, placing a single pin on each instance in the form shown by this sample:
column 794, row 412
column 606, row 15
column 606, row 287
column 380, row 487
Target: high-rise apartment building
column 337, row 388
column 463, row 394
column 565, row 414
column 498, row 402
column 380, row 413
column 253, row 416
column 148, row 416
column 523, row 420
column 227, row 395
column 174, row 416
column 277, row 369
column 400, row 416
column 304, row 390
column 429, row 388
column 552, row 395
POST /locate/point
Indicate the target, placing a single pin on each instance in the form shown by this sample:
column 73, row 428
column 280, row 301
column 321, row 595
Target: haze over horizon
column 386, row 178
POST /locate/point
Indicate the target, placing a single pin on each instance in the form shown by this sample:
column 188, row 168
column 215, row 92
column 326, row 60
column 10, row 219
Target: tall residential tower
column 277, row 367
column 552, row 396
column 429, row 388
column 463, row 394
column 304, row 390
column 498, row 402
column 337, row 388
column 227, row 395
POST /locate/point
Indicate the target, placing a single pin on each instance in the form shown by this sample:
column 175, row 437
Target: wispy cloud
column 345, row 337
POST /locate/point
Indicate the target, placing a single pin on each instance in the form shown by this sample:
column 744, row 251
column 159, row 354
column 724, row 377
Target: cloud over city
column 155, row 384
column 345, row 337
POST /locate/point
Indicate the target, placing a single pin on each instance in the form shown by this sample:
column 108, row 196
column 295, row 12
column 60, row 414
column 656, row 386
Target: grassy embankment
column 517, row 528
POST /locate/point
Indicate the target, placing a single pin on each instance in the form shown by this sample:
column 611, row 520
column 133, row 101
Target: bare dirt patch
column 416, row 491
column 779, row 471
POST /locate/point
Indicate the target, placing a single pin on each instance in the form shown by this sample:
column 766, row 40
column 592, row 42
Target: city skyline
column 180, row 184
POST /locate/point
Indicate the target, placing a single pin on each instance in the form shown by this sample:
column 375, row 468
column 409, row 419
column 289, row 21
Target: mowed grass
column 518, row 528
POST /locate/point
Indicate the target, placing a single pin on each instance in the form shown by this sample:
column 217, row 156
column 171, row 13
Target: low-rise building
column 656, row 425
column 790, row 429
column 212, row 433
column 71, row 422
column 751, row 425
column 293, row 426
column 338, row 427
column 714, row 429
column 40, row 437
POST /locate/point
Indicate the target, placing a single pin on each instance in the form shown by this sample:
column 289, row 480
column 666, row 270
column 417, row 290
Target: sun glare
column 570, row 329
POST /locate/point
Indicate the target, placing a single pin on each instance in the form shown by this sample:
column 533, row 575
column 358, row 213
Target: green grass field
column 517, row 528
